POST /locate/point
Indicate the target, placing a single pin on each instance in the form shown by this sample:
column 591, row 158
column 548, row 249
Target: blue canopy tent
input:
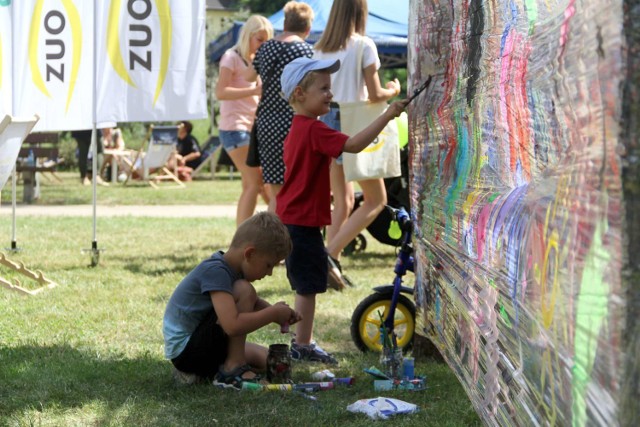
column 387, row 26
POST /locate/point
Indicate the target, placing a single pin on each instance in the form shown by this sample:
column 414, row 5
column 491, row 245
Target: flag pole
column 95, row 252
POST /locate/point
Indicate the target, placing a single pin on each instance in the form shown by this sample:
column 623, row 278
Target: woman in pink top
column 239, row 100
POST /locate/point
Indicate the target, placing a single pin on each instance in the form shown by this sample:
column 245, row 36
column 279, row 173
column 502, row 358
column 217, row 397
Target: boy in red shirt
column 304, row 202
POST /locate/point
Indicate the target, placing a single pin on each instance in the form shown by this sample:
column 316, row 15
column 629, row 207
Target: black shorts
column 206, row 350
column 307, row 264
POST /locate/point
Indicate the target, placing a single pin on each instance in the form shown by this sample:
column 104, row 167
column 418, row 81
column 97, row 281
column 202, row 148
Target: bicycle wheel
column 365, row 322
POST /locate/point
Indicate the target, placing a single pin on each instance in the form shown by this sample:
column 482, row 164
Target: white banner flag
column 52, row 62
column 12, row 133
column 5, row 58
column 150, row 60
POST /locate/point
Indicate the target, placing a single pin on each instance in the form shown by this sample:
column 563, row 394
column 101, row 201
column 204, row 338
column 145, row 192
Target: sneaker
column 234, row 378
column 185, row 378
column 311, row 353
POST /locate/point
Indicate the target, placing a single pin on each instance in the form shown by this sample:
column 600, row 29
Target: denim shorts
column 232, row 139
column 332, row 119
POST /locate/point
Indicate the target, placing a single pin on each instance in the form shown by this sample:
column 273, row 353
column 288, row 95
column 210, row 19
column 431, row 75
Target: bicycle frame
column 404, row 262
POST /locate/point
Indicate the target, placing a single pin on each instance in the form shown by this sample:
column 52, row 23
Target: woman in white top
column 239, row 99
column 347, row 21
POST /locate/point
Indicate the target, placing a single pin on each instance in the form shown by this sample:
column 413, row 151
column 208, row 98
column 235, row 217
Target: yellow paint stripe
column 113, row 43
column 34, row 34
column 166, row 30
column 76, row 37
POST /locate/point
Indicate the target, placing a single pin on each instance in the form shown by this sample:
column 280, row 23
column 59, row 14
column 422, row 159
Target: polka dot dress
column 275, row 114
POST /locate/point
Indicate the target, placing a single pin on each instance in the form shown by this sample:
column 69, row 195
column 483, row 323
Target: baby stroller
column 384, row 227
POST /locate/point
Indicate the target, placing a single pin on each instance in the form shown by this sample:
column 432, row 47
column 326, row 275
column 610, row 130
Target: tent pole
column 95, row 252
column 14, row 177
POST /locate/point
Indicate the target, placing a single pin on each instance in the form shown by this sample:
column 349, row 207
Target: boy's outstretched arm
column 359, row 141
column 235, row 323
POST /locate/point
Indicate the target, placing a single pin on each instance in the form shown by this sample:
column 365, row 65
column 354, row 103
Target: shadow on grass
column 44, row 377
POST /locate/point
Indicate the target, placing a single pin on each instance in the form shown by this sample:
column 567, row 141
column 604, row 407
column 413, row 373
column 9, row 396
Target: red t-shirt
column 305, row 197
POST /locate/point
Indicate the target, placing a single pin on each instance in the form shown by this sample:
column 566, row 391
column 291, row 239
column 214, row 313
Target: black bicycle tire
column 361, row 309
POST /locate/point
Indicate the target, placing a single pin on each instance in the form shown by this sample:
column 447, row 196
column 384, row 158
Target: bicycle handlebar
column 402, row 216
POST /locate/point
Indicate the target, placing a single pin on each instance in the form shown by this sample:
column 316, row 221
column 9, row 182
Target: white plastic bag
column 382, row 408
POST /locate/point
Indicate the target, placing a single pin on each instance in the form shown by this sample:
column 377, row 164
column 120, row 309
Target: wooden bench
column 44, row 148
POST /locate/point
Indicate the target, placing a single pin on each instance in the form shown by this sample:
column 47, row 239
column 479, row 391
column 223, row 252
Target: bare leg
column 306, row 306
column 240, row 352
column 251, row 184
column 343, row 201
column 273, row 190
column 375, row 198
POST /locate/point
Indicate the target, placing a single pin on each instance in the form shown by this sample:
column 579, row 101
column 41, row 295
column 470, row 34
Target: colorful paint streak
column 517, row 186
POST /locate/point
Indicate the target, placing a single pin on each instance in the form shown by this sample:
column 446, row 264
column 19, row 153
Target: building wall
column 520, row 177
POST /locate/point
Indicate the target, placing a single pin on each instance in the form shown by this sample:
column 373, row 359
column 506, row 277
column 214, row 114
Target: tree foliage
column 262, row 7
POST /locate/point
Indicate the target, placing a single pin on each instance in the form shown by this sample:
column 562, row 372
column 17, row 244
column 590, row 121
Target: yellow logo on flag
column 54, row 23
column 139, row 13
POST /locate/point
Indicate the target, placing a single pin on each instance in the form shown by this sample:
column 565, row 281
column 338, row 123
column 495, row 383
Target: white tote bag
column 381, row 159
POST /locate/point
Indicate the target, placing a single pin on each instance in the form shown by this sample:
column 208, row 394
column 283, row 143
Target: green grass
column 90, row 351
column 225, row 189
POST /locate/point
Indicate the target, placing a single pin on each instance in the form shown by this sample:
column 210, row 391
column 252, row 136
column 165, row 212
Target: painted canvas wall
column 524, row 184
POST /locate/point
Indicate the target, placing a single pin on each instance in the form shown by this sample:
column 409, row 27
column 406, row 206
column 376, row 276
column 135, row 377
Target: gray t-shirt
column 191, row 303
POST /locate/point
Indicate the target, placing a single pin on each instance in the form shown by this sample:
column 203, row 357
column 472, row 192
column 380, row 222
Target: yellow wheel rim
column 369, row 327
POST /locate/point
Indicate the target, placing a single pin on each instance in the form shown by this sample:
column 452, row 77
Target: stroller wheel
column 357, row 245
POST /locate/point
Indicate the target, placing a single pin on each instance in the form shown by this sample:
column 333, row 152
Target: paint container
column 246, row 385
column 408, row 368
column 391, row 361
column 323, row 375
column 382, row 385
column 277, row 387
column 306, row 388
column 326, row 385
column 279, row 364
column 344, row 381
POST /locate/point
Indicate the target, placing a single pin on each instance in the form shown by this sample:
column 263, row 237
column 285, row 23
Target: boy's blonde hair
column 266, row 232
column 346, row 17
column 304, row 84
column 254, row 24
column 298, row 17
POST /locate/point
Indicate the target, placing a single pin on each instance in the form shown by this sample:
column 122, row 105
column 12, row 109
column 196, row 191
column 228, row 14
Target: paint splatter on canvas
column 519, row 165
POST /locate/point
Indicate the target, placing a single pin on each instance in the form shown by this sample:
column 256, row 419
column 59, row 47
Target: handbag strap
column 359, row 54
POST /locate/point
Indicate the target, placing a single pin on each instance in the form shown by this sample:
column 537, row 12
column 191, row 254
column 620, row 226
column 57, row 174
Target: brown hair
column 266, row 232
column 346, row 17
column 188, row 126
column 297, row 17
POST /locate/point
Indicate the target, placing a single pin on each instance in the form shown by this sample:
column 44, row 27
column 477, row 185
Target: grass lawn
column 90, row 351
column 225, row 189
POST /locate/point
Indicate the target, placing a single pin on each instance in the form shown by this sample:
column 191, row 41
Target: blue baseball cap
column 295, row 71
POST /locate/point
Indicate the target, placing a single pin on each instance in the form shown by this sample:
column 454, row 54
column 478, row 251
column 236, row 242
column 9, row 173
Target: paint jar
column 391, row 361
column 279, row 364
column 408, row 368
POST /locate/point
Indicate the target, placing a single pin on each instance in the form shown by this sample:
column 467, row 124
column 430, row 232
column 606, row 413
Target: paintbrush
column 420, row 89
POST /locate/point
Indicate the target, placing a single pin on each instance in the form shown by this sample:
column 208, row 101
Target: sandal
column 234, row 377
